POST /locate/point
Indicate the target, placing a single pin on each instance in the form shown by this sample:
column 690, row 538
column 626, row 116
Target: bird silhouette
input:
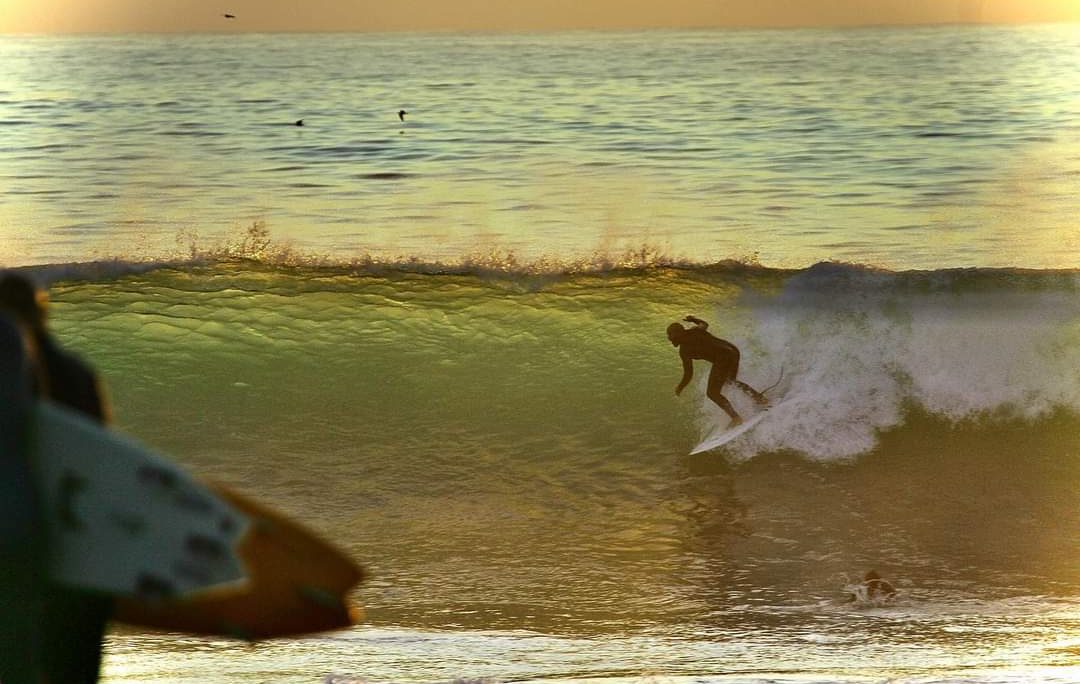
column 299, row 122
column 229, row 16
column 401, row 114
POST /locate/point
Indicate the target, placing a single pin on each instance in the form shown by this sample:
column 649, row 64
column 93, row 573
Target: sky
column 122, row 16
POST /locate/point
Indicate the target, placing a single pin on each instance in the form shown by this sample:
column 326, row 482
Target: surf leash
column 773, row 386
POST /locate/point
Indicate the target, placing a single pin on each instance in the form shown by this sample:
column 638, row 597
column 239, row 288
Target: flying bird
column 401, row 114
column 299, row 122
column 229, row 16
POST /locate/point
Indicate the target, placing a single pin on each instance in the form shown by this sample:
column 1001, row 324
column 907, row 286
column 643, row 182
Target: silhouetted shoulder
column 71, row 381
column 698, row 334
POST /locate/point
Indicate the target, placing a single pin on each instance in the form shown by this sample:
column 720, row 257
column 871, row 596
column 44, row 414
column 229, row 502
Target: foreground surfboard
column 125, row 521
column 178, row 554
column 297, row 584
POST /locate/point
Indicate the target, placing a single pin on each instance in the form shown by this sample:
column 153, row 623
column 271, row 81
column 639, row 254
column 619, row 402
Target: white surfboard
column 127, row 522
column 719, row 439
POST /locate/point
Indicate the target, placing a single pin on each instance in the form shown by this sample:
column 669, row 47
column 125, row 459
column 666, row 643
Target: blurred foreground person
column 74, row 621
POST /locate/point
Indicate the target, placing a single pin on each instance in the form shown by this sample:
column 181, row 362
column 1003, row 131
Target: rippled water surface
column 505, row 455
column 920, row 147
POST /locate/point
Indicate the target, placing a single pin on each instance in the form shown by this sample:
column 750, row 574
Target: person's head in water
column 22, row 299
column 675, row 333
column 876, row 587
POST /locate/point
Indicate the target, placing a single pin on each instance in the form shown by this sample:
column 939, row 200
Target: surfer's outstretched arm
column 688, row 373
column 697, row 321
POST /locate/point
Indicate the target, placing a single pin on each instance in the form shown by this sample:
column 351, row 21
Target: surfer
column 698, row 343
column 74, row 621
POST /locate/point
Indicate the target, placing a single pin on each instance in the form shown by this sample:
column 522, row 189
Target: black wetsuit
column 71, row 382
column 699, row 343
column 22, row 531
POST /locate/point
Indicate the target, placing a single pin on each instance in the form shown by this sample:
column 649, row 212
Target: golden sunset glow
column 113, row 16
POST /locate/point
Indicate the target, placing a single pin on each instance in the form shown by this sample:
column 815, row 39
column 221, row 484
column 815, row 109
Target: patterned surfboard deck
column 125, row 521
column 298, row 584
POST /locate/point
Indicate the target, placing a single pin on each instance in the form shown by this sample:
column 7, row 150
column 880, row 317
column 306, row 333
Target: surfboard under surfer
column 697, row 343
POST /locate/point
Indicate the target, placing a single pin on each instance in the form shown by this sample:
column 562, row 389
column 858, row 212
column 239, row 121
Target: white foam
column 858, row 346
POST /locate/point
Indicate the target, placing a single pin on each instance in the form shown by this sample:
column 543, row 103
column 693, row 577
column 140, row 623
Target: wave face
column 858, row 349
column 505, row 449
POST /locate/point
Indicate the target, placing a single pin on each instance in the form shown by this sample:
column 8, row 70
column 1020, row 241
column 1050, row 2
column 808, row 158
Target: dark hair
column 18, row 295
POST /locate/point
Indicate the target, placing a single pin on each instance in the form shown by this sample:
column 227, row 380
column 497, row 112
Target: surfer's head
column 675, row 333
column 22, row 299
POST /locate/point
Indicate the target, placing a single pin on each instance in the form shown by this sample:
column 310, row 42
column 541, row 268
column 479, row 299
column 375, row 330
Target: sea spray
column 860, row 346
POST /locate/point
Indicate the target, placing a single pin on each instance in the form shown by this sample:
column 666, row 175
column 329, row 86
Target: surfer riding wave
column 696, row 343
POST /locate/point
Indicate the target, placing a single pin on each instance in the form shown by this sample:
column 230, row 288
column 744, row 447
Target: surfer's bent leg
column 733, row 370
column 718, row 377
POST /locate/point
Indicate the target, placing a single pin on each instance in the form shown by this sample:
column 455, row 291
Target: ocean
column 440, row 341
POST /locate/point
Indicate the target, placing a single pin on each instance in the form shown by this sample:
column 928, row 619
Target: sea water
column 901, row 148
column 439, row 341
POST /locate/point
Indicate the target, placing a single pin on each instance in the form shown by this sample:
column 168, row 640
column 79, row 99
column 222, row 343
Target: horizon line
column 563, row 30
